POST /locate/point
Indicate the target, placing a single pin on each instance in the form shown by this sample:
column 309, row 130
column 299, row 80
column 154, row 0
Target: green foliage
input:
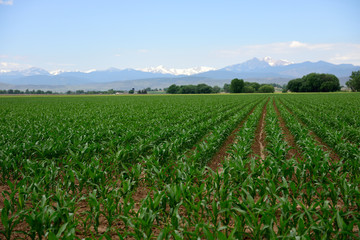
column 226, row 87
column 173, row 89
column 16, row 91
column 144, row 91
column 266, row 89
column 315, row 82
column 354, row 81
column 254, row 85
column 216, row 89
column 236, row 85
column 192, row 89
column 248, row 89
column 138, row 167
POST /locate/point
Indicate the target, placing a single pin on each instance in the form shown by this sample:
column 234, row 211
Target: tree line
column 322, row 82
column 354, row 82
column 315, row 82
column 240, row 86
column 192, row 89
column 27, row 91
column 76, row 92
column 236, row 86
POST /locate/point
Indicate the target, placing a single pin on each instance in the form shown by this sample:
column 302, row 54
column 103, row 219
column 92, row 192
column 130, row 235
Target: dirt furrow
column 259, row 144
column 318, row 140
column 218, row 158
column 289, row 138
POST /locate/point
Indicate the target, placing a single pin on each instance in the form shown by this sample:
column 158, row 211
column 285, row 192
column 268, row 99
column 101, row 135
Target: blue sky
column 83, row 35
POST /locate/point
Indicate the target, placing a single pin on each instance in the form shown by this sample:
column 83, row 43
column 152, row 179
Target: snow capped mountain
column 34, row 71
column 24, row 73
column 175, row 71
column 57, row 72
column 256, row 64
column 60, row 71
column 275, row 63
column 255, row 68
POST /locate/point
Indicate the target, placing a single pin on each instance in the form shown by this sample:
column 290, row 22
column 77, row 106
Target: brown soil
column 138, row 196
column 3, row 188
column 218, row 158
column 259, row 144
column 289, row 138
column 318, row 140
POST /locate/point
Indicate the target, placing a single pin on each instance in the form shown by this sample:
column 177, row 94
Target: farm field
column 232, row 166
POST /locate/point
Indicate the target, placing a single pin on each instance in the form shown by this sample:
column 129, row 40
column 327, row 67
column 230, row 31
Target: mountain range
column 264, row 70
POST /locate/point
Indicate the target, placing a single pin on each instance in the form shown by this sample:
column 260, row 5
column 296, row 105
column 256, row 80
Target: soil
column 259, row 144
column 3, row 188
column 318, row 140
column 294, row 152
column 219, row 157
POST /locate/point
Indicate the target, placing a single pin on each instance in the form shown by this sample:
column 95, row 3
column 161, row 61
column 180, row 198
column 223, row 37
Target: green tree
column 284, row 89
column 248, row 89
column 354, row 81
column 315, row 82
column 226, row 87
column 236, row 85
column 294, row 85
column 329, row 83
column 266, row 89
column 216, row 89
column 173, row 89
column 255, row 85
column 188, row 89
column 203, row 88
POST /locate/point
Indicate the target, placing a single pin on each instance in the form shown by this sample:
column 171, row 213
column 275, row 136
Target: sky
column 86, row 34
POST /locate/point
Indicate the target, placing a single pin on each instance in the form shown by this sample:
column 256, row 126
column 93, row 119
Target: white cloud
column 295, row 51
column 11, row 66
column 296, row 44
column 324, row 46
column 347, row 58
column 8, row 2
column 142, row 51
column 13, row 57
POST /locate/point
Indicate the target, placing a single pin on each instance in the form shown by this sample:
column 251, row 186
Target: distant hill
column 264, row 70
column 256, row 68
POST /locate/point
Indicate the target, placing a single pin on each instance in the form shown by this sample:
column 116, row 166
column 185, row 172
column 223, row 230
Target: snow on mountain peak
column 275, row 63
column 177, row 71
column 59, row 71
column 34, row 71
column 56, row 72
column 90, row 70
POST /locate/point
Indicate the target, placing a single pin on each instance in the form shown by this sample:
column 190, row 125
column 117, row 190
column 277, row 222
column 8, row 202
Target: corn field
column 231, row 166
